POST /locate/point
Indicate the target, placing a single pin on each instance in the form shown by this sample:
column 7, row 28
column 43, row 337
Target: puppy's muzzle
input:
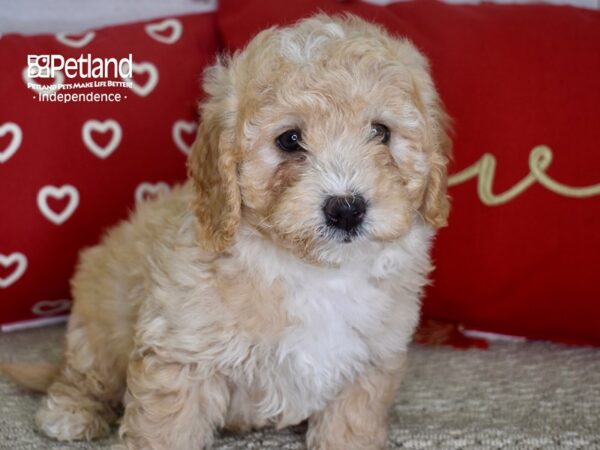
column 345, row 212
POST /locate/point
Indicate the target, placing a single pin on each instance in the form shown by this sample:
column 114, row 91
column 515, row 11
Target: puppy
column 282, row 282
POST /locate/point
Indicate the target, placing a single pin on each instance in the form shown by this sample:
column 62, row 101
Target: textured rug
column 513, row 396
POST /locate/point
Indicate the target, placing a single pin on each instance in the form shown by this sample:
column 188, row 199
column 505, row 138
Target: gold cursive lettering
column 540, row 159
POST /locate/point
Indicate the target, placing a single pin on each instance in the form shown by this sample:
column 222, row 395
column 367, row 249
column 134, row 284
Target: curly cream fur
column 228, row 302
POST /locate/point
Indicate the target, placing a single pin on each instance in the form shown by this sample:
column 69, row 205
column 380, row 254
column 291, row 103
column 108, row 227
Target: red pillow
column 70, row 170
column 521, row 82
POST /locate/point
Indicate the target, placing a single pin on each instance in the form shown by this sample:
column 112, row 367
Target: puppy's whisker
column 417, row 212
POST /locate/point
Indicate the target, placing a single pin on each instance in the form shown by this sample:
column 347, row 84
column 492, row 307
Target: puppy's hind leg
column 172, row 406
column 82, row 401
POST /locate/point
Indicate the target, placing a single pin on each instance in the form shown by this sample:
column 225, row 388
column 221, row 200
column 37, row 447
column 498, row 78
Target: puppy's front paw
column 328, row 445
column 70, row 421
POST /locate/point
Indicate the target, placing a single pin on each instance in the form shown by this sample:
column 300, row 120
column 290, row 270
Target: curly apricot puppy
column 282, row 283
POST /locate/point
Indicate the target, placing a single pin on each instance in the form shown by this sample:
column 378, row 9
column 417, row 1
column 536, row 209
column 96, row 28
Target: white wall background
column 51, row 16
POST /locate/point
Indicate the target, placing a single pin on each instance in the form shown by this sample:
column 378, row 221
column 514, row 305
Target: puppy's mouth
column 349, row 236
column 332, row 234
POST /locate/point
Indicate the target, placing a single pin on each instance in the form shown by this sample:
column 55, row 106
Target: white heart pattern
column 73, row 41
column 51, row 307
column 15, row 142
column 178, row 128
column 154, row 29
column 21, row 260
column 59, row 78
column 102, row 127
column 145, row 89
column 148, row 190
column 58, row 193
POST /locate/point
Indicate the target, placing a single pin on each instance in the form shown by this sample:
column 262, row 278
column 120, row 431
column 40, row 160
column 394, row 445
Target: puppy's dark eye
column 380, row 132
column 289, row 141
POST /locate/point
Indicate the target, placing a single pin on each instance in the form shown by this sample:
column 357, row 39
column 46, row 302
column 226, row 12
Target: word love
column 540, row 159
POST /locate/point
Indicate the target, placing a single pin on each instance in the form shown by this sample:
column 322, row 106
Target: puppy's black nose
column 345, row 213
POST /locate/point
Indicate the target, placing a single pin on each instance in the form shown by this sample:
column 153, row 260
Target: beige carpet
column 512, row 396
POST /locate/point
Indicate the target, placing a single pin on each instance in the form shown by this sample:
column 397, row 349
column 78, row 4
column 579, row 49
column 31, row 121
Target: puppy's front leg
column 169, row 406
column 357, row 418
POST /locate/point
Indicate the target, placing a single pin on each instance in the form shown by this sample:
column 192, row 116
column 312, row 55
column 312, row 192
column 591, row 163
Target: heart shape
column 145, row 89
column 21, row 266
column 102, row 127
column 51, row 307
column 15, row 142
column 58, row 193
column 153, row 30
column 179, row 127
column 73, row 41
column 145, row 190
column 59, row 78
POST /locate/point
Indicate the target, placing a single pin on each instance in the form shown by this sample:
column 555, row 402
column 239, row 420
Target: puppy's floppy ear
column 436, row 203
column 437, row 144
column 213, row 162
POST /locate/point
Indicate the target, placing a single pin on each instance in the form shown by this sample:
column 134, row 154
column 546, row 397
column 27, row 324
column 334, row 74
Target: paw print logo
column 38, row 66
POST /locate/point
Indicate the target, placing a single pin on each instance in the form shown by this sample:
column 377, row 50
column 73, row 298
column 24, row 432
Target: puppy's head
column 326, row 137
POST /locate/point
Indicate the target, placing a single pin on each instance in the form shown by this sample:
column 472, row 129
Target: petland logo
column 46, row 66
column 90, row 72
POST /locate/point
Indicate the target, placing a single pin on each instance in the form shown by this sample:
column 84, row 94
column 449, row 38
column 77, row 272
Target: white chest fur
column 332, row 341
column 342, row 318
